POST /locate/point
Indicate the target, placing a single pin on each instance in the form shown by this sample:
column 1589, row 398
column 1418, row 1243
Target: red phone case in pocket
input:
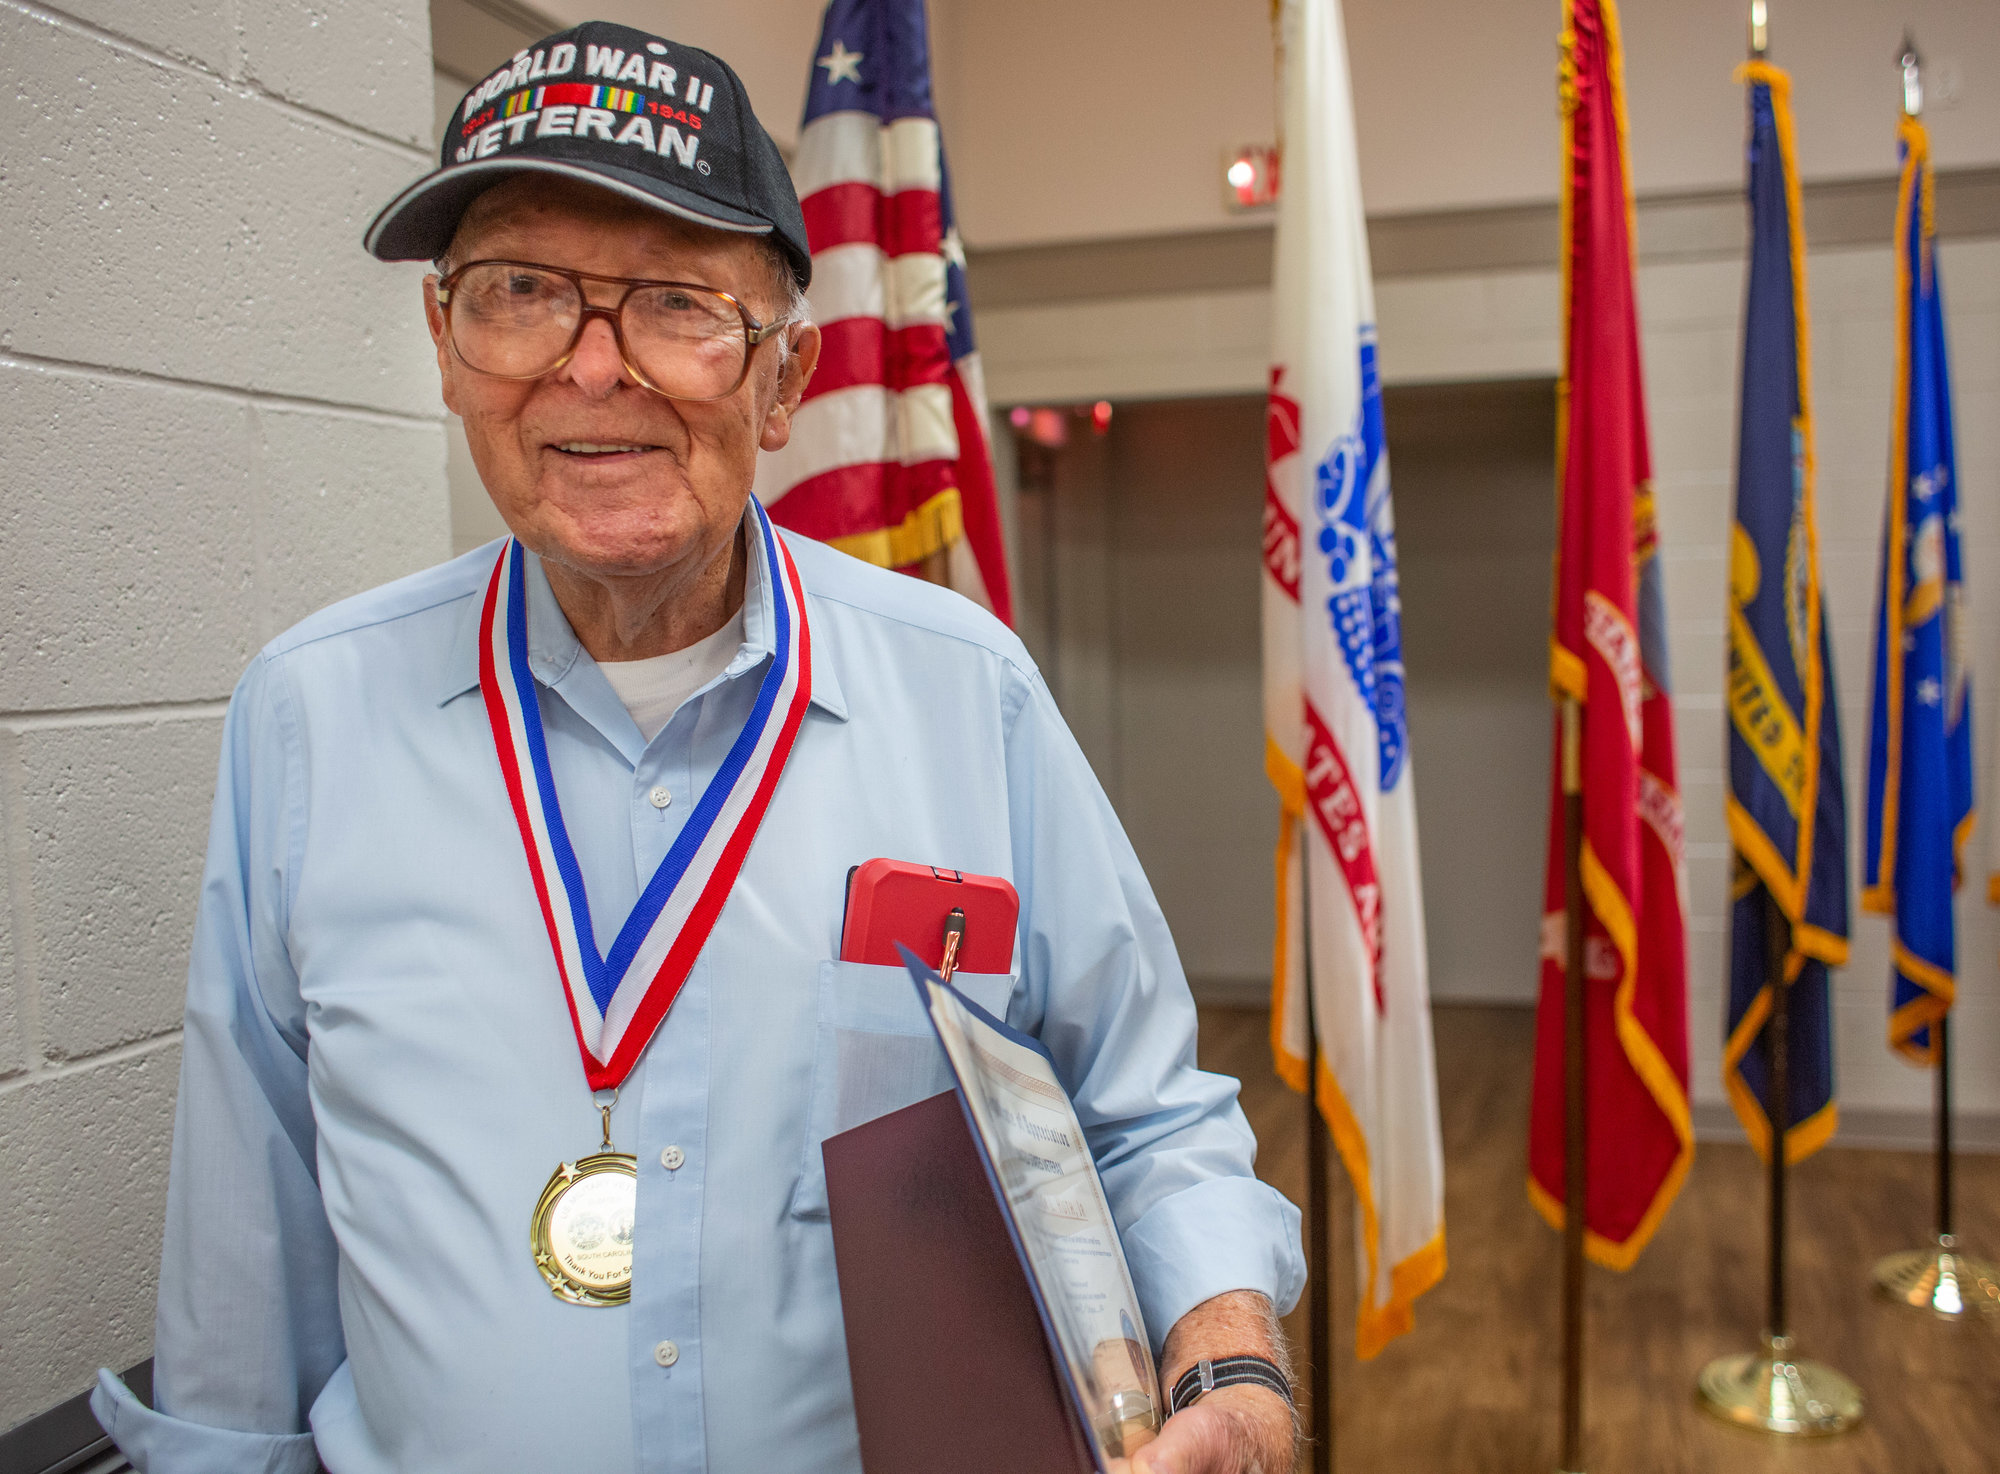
column 891, row 901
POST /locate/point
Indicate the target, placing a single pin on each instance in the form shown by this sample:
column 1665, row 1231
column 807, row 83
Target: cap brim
column 419, row 223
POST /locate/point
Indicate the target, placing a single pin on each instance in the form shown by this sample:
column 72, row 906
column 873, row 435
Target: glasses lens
column 689, row 342
column 512, row 320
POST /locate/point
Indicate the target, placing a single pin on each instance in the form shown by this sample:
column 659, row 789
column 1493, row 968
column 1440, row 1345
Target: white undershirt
column 653, row 689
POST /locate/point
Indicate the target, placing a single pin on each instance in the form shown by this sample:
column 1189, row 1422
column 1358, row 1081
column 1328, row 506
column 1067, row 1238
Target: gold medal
column 581, row 1233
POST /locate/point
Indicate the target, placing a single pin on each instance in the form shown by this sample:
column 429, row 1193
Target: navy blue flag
column 1787, row 812
column 1920, row 729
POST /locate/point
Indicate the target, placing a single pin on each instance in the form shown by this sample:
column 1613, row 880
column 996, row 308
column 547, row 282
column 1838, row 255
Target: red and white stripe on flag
column 888, row 458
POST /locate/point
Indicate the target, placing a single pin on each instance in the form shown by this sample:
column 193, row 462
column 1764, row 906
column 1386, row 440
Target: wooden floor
column 1475, row 1387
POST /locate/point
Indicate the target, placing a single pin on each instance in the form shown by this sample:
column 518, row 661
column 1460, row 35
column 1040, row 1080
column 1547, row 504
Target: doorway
column 1137, row 568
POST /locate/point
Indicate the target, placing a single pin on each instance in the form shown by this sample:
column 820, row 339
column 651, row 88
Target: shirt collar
column 554, row 650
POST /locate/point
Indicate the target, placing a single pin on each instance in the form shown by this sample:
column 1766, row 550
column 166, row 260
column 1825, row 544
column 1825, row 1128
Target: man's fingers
column 1233, row 1430
column 1198, row 1441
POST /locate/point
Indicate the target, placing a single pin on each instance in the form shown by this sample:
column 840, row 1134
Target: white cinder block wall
column 219, row 415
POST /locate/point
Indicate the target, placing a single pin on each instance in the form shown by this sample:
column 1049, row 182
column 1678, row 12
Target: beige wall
column 1076, row 119
column 1121, row 128
column 769, row 43
column 1455, row 98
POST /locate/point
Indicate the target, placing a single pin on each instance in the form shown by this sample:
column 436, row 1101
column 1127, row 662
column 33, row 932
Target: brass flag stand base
column 1772, row 1391
column 1941, row 1280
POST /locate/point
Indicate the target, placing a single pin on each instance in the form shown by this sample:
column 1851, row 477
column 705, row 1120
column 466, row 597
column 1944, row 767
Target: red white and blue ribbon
column 618, row 998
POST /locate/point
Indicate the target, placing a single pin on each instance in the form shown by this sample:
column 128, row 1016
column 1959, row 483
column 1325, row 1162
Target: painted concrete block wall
column 1506, row 324
column 220, row 415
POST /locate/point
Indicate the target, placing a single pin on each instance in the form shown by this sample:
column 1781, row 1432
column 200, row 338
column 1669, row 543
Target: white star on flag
column 1929, row 691
column 841, row 64
column 890, row 462
column 954, row 248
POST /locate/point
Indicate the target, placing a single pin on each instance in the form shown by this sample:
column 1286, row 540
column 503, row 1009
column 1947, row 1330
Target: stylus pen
column 954, row 934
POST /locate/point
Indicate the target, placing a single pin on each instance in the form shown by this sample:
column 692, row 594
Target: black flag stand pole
column 1573, row 1082
column 1319, row 1296
column 1773, row 1390
column 1939, row 1278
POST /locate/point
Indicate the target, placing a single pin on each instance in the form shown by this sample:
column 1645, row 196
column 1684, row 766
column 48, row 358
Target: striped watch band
column 1227, row 1371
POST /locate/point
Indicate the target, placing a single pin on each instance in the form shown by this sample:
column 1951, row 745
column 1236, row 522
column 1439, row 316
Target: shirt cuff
column 158, row 1444
column 1228, row 1233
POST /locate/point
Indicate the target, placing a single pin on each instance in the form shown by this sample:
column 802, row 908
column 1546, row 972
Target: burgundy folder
column 951, row 1365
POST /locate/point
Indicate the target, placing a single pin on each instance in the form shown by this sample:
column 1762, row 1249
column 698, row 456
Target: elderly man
column 539, row 856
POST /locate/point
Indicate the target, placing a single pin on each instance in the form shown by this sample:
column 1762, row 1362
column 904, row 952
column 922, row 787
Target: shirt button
column 672, row 1158
column 666, row 1353
column 659, row 798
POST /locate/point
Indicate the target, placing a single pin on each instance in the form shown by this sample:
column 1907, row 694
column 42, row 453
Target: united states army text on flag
column 1337, row 743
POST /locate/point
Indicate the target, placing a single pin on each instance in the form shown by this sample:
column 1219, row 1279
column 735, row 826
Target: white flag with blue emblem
column 1337, row 743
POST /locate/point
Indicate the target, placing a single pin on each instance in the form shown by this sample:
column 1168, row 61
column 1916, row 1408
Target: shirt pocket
column 875, row 1053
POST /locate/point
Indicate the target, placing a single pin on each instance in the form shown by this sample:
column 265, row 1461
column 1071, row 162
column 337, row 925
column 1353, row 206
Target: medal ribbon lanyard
column 617, row 999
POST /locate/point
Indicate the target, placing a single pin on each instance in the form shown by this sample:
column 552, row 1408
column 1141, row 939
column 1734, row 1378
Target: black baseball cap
column 663, row 123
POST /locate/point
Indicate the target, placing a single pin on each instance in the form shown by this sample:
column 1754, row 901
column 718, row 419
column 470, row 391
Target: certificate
column 1043, row 1176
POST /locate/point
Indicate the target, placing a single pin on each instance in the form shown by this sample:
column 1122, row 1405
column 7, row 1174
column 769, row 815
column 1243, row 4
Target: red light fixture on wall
column 1048, row 425
column 1250, row 177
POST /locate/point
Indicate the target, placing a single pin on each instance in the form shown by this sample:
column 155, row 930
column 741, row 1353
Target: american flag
column 888, row 458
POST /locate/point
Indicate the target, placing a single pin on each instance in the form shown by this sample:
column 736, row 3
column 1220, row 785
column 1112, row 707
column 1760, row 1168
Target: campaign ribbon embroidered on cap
column 584, row 109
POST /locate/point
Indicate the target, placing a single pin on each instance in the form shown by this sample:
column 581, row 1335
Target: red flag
column 1608, row 652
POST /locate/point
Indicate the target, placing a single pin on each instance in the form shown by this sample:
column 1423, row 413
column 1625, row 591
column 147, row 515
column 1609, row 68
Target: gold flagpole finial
column 1913, row 77
column 1760, row 25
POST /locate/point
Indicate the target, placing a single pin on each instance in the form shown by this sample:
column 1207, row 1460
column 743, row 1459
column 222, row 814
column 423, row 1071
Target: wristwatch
column 1228, row 1371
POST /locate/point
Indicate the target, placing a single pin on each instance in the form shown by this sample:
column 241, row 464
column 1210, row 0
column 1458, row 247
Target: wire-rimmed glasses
column 520, row 320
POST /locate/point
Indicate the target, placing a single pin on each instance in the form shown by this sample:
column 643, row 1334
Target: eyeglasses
column 517, row 320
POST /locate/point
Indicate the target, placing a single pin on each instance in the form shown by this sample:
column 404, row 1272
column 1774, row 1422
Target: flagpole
column 1778, row 1038
column 1943, row 1027
column 1772, row 1390
column 1574, row 1122
column 1319, row 1309
column 1938, row 1279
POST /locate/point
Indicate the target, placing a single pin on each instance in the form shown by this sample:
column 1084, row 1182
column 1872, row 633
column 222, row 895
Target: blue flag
column 1787, row 811
column 1920, row 725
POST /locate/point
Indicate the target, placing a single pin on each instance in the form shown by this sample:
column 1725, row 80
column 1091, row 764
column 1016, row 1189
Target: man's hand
column 1232, row 1430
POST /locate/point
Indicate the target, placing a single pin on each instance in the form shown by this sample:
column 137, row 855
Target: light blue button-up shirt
column 380, row 1071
